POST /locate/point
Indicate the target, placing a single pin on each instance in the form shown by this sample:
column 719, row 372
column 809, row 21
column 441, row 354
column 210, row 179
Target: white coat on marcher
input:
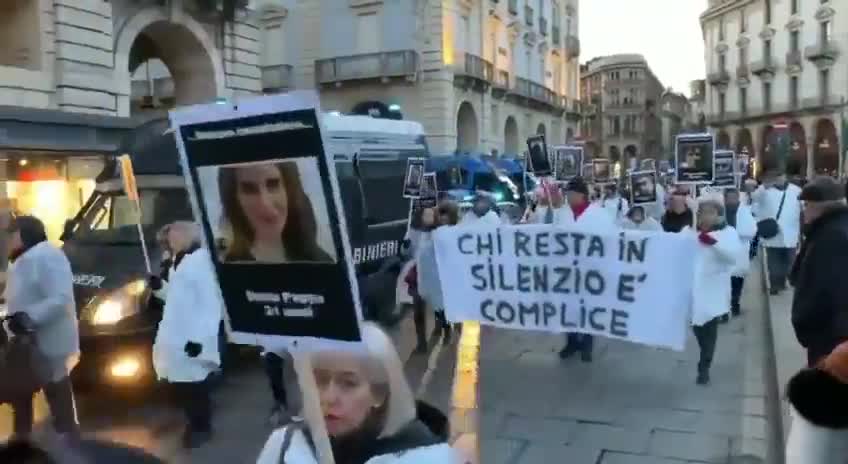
column 713, row 268
column 746, row 227
column 299, row 452
column 562, row 215
column 41, row 284
column 594, row 219
column 809, row 443
column 193, row 313
column 491, row 218
column 649, row 224
column 617, row 207
column 766, row 202
column 657, row 209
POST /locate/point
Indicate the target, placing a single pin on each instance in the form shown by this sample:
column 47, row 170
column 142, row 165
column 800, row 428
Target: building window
column 721, row 28
column 824, row 85
column 794, row 40
column 767, row 96
column 793, row 91
column 768, row 12
column 20, row 34
column 722, row 100
column 767, row 51
column 794, row 6
column 743, row 21
column 826, row 32
column 743, row 100
column 367, row 34
column 495, row 120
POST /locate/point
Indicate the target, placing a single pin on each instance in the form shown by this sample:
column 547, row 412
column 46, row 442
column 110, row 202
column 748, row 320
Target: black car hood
column 102, row 268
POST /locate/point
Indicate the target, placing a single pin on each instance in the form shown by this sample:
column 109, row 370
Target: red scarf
column 579, row 210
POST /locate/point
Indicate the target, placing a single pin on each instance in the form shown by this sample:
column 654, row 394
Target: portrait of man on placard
column 695, row 159
column 540, row 163
column 414, row 178
column 643, row 187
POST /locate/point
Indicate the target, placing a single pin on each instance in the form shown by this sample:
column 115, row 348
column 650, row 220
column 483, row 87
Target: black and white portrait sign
column 414, row 178
column 643, row 187
column 429, row 192
column 648, row 164
column 263, row 187
column 568, row 162
column 539, row 162
column 694, row 158
column 588, row 171
column 742, row 165
column 724, row 161
column 601, row 171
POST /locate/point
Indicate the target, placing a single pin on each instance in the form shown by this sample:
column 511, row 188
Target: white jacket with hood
column 713, row 267
column 401, row 412
column 649, row 224
column 766, row 204
column 746, row 227
column 193, row 312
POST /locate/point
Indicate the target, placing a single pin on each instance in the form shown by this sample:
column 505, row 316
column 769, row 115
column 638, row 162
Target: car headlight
column 118, row 305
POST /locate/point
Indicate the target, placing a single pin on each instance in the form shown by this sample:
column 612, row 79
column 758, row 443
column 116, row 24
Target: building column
column 242, row 58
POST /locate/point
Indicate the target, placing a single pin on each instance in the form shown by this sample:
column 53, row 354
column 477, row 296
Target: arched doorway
column 614, row 154
column 147, row 60
column 541, row 130
column 511, row 144
column 467, row 134
column 569, row 135
column 631, row 154
column 723, row 140
column 768, row 152
column 744, row 142
column 826, row 151
column 590, row 150
column 797, row 162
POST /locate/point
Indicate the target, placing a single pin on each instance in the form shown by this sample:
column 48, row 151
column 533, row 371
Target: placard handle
column 312, row 406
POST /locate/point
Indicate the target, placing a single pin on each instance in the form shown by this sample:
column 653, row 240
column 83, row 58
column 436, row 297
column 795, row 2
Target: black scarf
column 361, row 446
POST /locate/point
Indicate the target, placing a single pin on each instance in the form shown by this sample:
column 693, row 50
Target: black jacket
column 675, row 222
column 820, row 303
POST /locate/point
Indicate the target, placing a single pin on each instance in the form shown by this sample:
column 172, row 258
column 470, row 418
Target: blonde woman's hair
column 190, row 229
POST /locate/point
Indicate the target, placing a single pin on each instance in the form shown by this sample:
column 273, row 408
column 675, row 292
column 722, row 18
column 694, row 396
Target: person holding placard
column 589, row 217
column 740, row 218
column 369, row 411
column 718, row 248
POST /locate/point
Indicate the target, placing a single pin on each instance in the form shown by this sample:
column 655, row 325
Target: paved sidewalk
column 633, row 405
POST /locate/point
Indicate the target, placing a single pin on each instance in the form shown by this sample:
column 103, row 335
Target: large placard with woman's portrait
column 568, row 162
column 266, row 194
column 694, row 158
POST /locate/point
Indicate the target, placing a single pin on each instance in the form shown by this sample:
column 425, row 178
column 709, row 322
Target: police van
column 118, row 317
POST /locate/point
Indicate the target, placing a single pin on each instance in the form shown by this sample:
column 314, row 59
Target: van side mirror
column 67, row 230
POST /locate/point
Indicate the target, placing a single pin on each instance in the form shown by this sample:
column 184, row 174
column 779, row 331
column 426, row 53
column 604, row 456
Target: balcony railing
column 512, row 7
column 721, row 77
column 528, row 15
column 469, row 65
column 764, row 66
column 277, row 78
column 628, row 106
column 400, row 63
column 743, row 72
column 555, row 37
column 572, row 46
column 543, row 25
column 821, row 101
column 824, row 50
column 533, row 91
column 502, row 79
column 794, row 59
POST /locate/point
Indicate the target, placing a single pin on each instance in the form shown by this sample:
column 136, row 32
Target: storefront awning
column 62, row 131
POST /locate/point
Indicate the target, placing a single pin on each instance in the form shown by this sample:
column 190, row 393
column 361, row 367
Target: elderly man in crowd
column 820, row 303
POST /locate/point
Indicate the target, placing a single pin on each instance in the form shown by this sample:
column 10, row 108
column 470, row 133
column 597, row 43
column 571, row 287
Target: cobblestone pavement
column 633, row 405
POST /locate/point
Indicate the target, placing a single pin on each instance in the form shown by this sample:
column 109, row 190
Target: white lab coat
column 193, row 313
column 766, row 204
column 657, row 209
column 649, row 224
column 746, row 227
column 616, row 206
column 491, row 218
column 562, row 215
column 809, row 443
column 299, row 452
column 594, row 219
column 713, row 267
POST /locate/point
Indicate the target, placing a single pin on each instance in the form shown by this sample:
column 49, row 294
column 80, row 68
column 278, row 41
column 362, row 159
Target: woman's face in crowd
column 707, row 217
column 637, row 216
column 576, row 199
column 262, row 197
column 345, row 393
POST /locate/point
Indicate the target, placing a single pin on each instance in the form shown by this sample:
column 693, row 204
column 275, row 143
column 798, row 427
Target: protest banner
column 629, row 285
column 643, row 187
column 602, row 171
column 694, row 158
column 539, row 161
column 284, row 267
column 414, row 179
column 724, row 168
column 568, row 160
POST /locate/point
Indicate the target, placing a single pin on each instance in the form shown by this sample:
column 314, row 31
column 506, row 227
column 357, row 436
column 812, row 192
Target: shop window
column 20, row 31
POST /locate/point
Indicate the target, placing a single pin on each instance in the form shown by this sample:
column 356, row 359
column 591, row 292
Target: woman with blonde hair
column 368, row 408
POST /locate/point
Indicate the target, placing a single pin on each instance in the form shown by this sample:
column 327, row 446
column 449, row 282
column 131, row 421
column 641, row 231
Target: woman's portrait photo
column 414, row 178
column 601, row 170
column 269, row 212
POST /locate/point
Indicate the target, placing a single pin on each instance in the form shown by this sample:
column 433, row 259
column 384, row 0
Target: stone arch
column 467, row 131
column 569, row 135
column 723, row 140
column 797, row 162
column 744, row 142
column 511, row 143
column 590, row 150
column 767, row 157
column 541, row 129
column 826, row 150
column 614, row 153
column 184, row 47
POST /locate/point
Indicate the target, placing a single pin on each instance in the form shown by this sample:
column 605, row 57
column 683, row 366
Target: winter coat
column 675, row 222
column 818, row 433
column 649, row 224
column 713, row 267
column 766, row 203
column 404, row 451
column 193, row 313
column 820, row 303
column 41, row 284
column 746, row 227
column 491, row 218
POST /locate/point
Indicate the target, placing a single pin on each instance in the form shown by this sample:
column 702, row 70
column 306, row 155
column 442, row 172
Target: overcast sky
column 666, row 32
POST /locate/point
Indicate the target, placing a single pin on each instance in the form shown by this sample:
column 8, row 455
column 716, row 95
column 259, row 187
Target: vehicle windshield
column 111, row 218
column 485, row 181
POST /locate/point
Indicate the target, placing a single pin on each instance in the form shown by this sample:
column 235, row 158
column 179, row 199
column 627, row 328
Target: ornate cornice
column 767, row 33
column 795, row 23
column 824, row 13
column 743, row 41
